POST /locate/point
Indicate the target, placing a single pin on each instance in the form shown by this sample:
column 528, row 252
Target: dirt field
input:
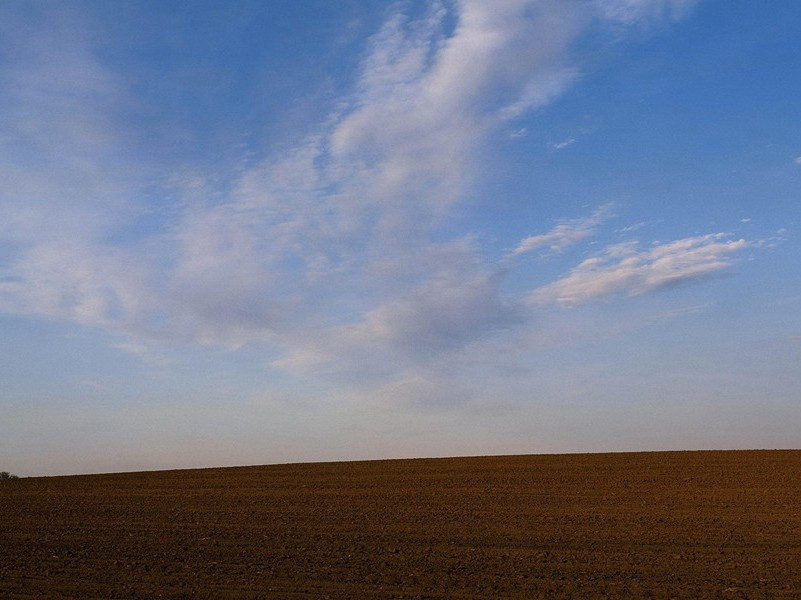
column 667, row 524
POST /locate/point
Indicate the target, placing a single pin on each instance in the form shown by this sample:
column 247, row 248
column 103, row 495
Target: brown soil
column 657, row 525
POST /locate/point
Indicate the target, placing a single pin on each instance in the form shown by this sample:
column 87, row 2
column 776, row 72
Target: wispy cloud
column 443, row 315
column 331, row 251
column 630, row 12
column 563, row 144
column 772, row 241
column 684, row 311
column 624, row 268
column 66, row 169
column 635, row 226
column 565, row 233
column 346, row 213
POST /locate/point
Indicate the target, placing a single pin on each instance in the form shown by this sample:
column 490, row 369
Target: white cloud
column 69, row 281
column 774, row 240
column 326, row 250
column 629, row 12
column 58, row 113
column 446, row 312
column 564, row 144
column 627, row 269
column 443, row 314
column 636, row 226
column 354, row 208
column 565, row 233
column 797, row 160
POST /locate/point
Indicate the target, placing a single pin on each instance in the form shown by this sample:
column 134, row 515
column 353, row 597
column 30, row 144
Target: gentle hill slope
column 660, row 524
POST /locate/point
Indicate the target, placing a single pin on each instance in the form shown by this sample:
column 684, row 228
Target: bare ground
column 639, row 525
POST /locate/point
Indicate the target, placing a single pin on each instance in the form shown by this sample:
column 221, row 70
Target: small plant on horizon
column 7, row 475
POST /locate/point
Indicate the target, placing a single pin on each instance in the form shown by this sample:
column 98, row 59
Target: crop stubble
column 661, row 524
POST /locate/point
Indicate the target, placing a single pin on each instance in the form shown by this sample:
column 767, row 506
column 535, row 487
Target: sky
column 262, row 232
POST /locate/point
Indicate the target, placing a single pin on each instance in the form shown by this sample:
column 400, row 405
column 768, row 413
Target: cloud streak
column 629, row 12
column 563, row 144
column 624, row 268
column 565, row 233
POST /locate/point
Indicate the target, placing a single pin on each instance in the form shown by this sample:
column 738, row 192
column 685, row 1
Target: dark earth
column 629, row 525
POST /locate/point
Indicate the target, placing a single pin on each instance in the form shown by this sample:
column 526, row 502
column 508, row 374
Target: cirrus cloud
column 624, row 268
column 565, row 233
column 333, row 251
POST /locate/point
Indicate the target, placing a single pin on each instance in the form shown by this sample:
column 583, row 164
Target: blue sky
column 257, row 232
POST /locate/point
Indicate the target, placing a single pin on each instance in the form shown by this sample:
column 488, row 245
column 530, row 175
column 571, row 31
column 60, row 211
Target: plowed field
column 660, row 525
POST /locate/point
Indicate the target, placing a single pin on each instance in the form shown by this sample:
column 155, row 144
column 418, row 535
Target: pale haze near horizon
column 306, row 231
